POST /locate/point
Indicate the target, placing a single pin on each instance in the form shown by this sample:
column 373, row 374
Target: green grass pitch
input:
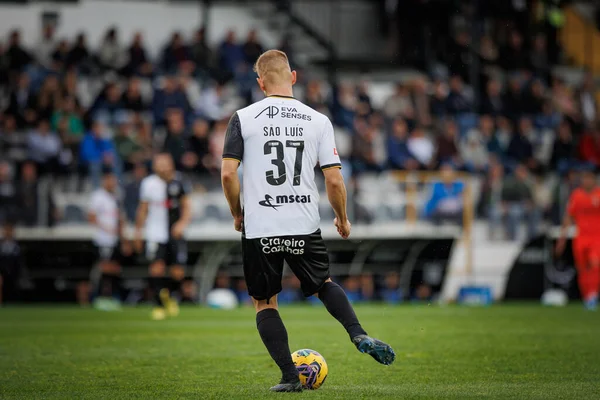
column 501, row 352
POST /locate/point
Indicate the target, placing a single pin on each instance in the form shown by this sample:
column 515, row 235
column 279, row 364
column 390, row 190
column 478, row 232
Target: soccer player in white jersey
column 111, row 246
column 280, row 141
column 165, row 212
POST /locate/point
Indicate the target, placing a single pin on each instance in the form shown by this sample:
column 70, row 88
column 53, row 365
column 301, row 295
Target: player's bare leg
column 157, row 278
column 335, row 300
column 275, row 338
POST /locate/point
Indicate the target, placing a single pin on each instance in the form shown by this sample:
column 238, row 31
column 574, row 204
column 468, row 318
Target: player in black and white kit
column 165, row 212
column 107, row 217
column 280, row 141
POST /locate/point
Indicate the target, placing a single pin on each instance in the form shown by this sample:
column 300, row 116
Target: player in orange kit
column 584, row 211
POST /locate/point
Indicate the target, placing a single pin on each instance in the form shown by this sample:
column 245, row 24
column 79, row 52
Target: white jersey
column 280, row 141
column 104, row 205
column 164, row 200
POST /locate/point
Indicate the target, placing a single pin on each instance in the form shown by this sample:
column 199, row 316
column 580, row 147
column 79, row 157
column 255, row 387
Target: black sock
column 115, row 286
column 274, row 336
column 338, row 305
column 156, row 284
column 103, row 285
column 175, row 288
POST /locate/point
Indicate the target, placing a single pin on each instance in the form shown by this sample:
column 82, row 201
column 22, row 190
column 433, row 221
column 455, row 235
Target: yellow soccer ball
column 311, row 367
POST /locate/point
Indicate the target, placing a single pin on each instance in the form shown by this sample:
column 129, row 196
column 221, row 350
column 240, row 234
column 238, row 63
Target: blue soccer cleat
column 591, row 303
column 380, row 351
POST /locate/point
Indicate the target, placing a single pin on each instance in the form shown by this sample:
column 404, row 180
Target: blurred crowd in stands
column 68, row 108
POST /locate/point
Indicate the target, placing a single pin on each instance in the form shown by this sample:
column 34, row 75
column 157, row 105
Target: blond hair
column 273, row 68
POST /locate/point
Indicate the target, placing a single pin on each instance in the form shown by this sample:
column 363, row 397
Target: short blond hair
column 273, row 68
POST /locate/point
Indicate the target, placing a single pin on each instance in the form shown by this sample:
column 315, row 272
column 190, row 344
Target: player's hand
column 560, row 246
column 343, row 228
column 238, row 223
column 177, row 230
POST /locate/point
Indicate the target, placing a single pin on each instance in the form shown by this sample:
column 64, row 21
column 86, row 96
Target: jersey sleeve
column 94, row 203
column 144, row 191
column 234, row 142
column 328, row 155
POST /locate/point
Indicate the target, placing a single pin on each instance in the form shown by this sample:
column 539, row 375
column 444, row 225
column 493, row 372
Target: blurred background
column 461, row 124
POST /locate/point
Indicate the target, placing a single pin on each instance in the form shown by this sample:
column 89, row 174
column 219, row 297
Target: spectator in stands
column 447, row 149
column 421, row 147
column 474, row 152
column 421, row 102
column 8, row 192
column 46, row 46
column 176, row 139
column 108, row 104
column 4, row 65
column 538, row 58
column 290, row 292
column 79, row 55
column 132, row 191
column 517, row 204
column 514, row 56
column 198, row 145
column 563, row 100
column 391, row 292
column 96, row 152
column 370, row 153
column 493, row 101
column 490, row 203
column 367, row 286
column 564, row 150
column 399, row 156
column 344, row 105
column 22, row 101
column 175, row 53
column 351, row 286
column 48, row 98
column 586, row 96
column 10, row 263
column 202, row 54
column 364, row 99
column 439, row 100
column 18, row 56
column 13, row 143
column 457, row 102
column 170, row 96
column 568, row 181
column 534, row 98
column 230, row 56
column 252, row 49
column 69, row 88
column 132, row 99
column 459, row 55
column 111, row 55
column 60, row 56
column 446, row 202
column 127, row 148
column 513, row 100
column 73, row 121
column 314, row 97
column 528, row 132
column 489, row 54
column 520, row 149
column 29, row 197
column 212, row 101
column 549, row 118
column 504, row 134
column 44, row 147
column 138, row 62
column 399, row 104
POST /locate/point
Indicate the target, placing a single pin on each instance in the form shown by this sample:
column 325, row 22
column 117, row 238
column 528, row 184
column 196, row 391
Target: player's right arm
column 233, row 153
column 141, row 215
column 334, row 182
column 566, row 224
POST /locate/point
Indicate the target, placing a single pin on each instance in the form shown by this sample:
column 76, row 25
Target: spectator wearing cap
column 96, row 152
column 399, row 156
column 446, row 201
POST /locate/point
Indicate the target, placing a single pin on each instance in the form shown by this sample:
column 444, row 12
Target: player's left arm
column 233, row 153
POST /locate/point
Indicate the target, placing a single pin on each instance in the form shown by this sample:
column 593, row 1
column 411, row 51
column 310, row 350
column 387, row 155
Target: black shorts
column 174, row 252
column 263, row 263
column 109, row 253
